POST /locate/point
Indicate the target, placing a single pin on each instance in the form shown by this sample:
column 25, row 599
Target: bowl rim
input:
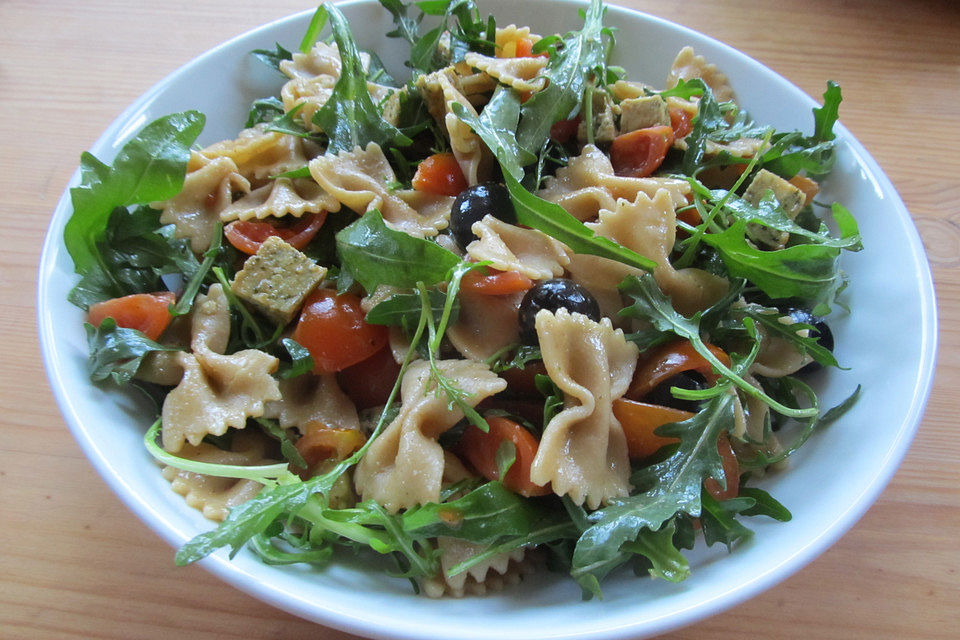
column 238, row 578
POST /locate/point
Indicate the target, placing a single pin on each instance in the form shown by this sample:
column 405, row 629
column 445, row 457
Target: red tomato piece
column 480, row 450
column 145, row 312
column 440, row 174
column 332, row 328
column 680, row 121
column 369, row 382
column 497, row 283
column 668, row 360
column 248, row 235
column 563, row 130
column 731, row 471
column 639, row 153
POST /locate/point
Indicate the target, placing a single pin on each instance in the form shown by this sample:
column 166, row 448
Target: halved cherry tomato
column 145, row 312
column 667, row 361
column 480, row 450
column 332, row 328
column 524, row 48
column 639, row 420
column 639, row 153
column 690, row 215
column 563, row 130
column 248, row 235
column 680, row 121
column 440, row 174
column 809, row 187
column 731, row 471
column 321, row 442
column 496, row 283
column 369, row 382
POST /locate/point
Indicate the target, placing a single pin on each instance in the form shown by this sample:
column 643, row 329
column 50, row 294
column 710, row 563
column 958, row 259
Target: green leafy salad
column 513, row 312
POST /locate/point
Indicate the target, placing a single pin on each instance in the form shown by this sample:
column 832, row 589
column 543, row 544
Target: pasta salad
column 516, row 310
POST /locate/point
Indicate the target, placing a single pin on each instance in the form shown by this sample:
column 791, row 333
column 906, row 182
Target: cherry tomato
column 369, row 382
column 563, row 130
column 248, row 235
column 639, row 153
column 332, row 328
column 480, row 450
column 145, row 312
column 440, row 174
column 497, row 283
column 680, row 121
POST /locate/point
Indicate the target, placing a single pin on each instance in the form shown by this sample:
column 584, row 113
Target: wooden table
column 74, row 563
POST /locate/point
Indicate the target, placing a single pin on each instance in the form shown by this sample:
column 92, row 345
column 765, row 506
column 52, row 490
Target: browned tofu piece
column 277, row 279
column 640, row 113
column 791, row 200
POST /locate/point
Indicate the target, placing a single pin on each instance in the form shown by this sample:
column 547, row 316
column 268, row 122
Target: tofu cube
column 791, row 200
column 640, row 113
column 277, row 279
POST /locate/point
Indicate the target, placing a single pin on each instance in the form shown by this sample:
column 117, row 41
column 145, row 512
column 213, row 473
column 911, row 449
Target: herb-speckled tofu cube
column 791, row 200
column 640, row 113
column 277, row 279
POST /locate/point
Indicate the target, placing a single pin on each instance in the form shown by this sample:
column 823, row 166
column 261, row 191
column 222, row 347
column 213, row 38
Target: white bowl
column 888, row 342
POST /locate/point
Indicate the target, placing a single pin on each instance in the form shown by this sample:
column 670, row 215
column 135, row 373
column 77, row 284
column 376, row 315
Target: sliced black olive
column 475, row 202
column 822, row 333
column 685, row 380
column 553, row 294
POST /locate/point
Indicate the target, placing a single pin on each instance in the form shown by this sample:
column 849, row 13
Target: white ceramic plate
column 891, row 294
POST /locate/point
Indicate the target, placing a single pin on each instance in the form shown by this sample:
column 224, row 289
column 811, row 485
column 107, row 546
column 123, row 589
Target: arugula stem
column 693, row 241
column 259, row 473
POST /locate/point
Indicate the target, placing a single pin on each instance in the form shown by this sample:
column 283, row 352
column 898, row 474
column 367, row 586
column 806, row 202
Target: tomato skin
column 369, row 382
column 145, row 312
column 680, row 121
column 480, row 450
column 497, row 283
column 320, row 442
column 639, row 420
column 440, row 174
column 639, row 153
column 332, row 328
column 731, row 471
column 248, row 235
column 667, row 360
column 563, row 130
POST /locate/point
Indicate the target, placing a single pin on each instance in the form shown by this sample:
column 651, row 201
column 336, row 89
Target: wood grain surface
column 74, row 563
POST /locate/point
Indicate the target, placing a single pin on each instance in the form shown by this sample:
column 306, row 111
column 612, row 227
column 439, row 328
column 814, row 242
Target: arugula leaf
column 150, row 167
column 484, row 516
column 287, row 447
column 665, row 488
column 552, row 396
column 792, row 152
column 134, row 251
column 663, row 559
column 650, row 303
column 185, row 303
column 514, row 356
column 116, row 352
column 718, row 520
column 272, row 58
column 556, row 222
column 570, row 70
column 264, row 110
column 403, row 309
column 770, row 214
column 301, row 360
column 764, row 505
column 806, row 271
column 407, row 28
column 497, row 127
column 374, row 254
column 349, row 117
column 312, row 34
column 826, row 116
column 769, row 318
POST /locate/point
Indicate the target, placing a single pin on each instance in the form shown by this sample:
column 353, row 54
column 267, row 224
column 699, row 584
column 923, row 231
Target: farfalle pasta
column 517, row 301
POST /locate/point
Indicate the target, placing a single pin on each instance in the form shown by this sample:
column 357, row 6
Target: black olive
column 475, row 202
column 821, row 331
column 685, row 380
column 557, row 293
